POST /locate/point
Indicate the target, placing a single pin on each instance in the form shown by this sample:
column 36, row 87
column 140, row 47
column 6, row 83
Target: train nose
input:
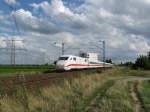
column 60, row 65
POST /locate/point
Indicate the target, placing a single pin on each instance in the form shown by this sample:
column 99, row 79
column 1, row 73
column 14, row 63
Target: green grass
column 97, row 96
column 125, row 72
column 13, row 70
column 144, row 91
column 114, row 99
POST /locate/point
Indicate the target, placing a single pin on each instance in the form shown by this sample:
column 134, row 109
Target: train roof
column 68, row 55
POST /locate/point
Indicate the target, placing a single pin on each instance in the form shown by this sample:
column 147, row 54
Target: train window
column 63, row 58
column 70, row 58
column 74, row 59
column 94, row 63
column 88, row 56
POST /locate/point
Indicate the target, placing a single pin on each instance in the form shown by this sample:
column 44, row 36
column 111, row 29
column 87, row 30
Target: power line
column 62, row 47
column 13, row 48
column 104, row 52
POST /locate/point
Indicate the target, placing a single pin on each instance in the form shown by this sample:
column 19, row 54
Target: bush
column 128, row 64
column 108, row 61
column 143, row 62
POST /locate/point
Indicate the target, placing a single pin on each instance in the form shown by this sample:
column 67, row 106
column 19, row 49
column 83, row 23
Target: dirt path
column 135, row 97
column 134, row 92
column 93, row 107
column 137, row 79
column 98, row 96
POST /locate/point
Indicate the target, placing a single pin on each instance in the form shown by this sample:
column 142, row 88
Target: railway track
column 32, row 81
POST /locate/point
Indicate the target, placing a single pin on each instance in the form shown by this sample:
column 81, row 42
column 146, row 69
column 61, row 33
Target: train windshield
column 63, row 58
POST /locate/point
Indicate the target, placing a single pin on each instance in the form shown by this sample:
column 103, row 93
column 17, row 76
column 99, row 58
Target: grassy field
column 95, row 92
column 13, row 70
column 144, row 90
column 115, row 99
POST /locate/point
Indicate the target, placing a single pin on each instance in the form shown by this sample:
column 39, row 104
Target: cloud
column 6, row 42
column 56, row 7
column 2, row 43
column 10, row 2
column 61, row 14
column 2, row 16
column 30, row 23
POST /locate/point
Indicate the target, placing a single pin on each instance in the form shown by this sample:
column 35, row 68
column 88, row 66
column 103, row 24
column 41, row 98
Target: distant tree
column 130, row 64
column 55, row 62
column 121, row 63
column 108, row 61
column 46, row 64
column 148, row 55
column 142, row 62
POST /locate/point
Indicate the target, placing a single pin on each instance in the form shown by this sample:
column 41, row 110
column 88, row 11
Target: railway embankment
column 112, row 90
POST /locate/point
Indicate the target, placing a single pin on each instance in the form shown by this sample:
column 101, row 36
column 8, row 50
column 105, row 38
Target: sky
column 123, row 24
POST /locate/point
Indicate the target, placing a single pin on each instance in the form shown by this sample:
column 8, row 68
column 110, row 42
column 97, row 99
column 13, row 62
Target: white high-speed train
column 69, row 62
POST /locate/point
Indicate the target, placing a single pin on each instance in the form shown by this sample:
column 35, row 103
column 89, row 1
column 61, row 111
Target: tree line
column 142, row 62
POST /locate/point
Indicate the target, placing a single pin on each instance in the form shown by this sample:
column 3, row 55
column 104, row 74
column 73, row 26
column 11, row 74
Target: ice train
column 83, row 61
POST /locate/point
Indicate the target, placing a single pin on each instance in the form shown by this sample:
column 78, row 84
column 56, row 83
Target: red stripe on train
column 82, row 65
